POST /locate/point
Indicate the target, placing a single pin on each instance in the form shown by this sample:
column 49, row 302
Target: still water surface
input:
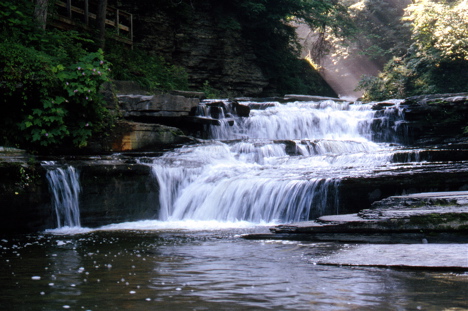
column 205, row 270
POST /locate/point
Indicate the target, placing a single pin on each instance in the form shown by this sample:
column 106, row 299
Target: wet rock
column 116, row 193
column 296, row 97
column 217, row 110
column 357, row 193
column 441, row 257
column 241, row 110
column 382, row 105
column 112, row 191
column 423, row 120
column 411, row 215
column 135, row 136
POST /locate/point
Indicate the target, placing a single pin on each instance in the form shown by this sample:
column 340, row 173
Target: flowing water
column 282, row 164
column 65, row 188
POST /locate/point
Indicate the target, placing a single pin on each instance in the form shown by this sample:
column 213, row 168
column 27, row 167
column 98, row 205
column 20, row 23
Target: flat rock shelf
column 421, row 230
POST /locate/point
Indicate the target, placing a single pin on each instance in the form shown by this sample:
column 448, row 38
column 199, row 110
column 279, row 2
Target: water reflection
column 173, row 270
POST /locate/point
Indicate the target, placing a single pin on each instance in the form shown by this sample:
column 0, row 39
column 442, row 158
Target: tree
column 436, row 61
column 101, row 22
column 440, row 28
column 40, row 12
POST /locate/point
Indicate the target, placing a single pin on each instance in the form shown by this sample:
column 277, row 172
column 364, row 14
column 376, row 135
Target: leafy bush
column 49, row 84
column 151, row 72
column 75, row 109
column 45, row 103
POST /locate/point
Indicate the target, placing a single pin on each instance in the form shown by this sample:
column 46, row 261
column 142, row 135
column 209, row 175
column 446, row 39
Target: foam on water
column 161, row 226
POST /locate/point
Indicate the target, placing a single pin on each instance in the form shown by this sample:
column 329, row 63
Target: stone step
column 416, row 213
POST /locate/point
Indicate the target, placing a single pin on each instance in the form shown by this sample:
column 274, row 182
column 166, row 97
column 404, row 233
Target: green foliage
column 75, row 109
column 436, row 61
column 26, row 77
column 440, row 28
column 151, row 72
column 49, row 91
column 209, row 91
column 14, row 15
column 380, row 33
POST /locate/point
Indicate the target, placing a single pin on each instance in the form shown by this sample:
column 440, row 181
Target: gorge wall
column 213, row 52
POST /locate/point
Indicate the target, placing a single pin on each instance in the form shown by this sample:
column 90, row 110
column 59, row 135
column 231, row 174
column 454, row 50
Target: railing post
column 131, row 29
column 86, row 13
column 117, row 21
column 69, row 9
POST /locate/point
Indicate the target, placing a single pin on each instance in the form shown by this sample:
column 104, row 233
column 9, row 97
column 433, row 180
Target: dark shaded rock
column 164, row 105
column 117, row 193
column 189, row 94
column 241, row 110
column 423, row 120
column 357, row 193
column 24, row 198
column 111, row 192
column 217, row 110
column 221, row 56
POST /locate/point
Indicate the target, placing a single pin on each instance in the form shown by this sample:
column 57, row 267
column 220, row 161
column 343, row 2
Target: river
column 205, row 270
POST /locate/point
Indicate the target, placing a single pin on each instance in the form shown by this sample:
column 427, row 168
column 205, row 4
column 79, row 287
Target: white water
column 65, row 187
column 283, row 163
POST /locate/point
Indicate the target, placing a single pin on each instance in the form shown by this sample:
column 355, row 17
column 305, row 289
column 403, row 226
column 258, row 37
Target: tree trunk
column 40, row 13
column 101, row 22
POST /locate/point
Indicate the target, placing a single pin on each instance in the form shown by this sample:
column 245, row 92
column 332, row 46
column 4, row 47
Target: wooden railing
column 83, row 12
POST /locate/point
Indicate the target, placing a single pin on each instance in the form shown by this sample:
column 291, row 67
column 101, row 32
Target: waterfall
column 283, row 163
column 65, row 188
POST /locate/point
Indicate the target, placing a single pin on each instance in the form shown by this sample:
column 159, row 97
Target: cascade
column 65, row 188
column 283, row 163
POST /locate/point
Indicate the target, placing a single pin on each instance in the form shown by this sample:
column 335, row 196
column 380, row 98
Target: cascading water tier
column 283, row 163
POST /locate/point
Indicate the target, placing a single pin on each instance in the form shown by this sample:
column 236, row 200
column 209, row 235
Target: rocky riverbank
column 414, row 218
column 416, row 231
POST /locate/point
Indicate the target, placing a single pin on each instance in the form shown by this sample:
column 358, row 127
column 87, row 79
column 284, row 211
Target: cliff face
column 190, row 36
column 216, row 51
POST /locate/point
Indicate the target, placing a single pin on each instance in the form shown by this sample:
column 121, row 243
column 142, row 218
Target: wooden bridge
column 71, row 14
